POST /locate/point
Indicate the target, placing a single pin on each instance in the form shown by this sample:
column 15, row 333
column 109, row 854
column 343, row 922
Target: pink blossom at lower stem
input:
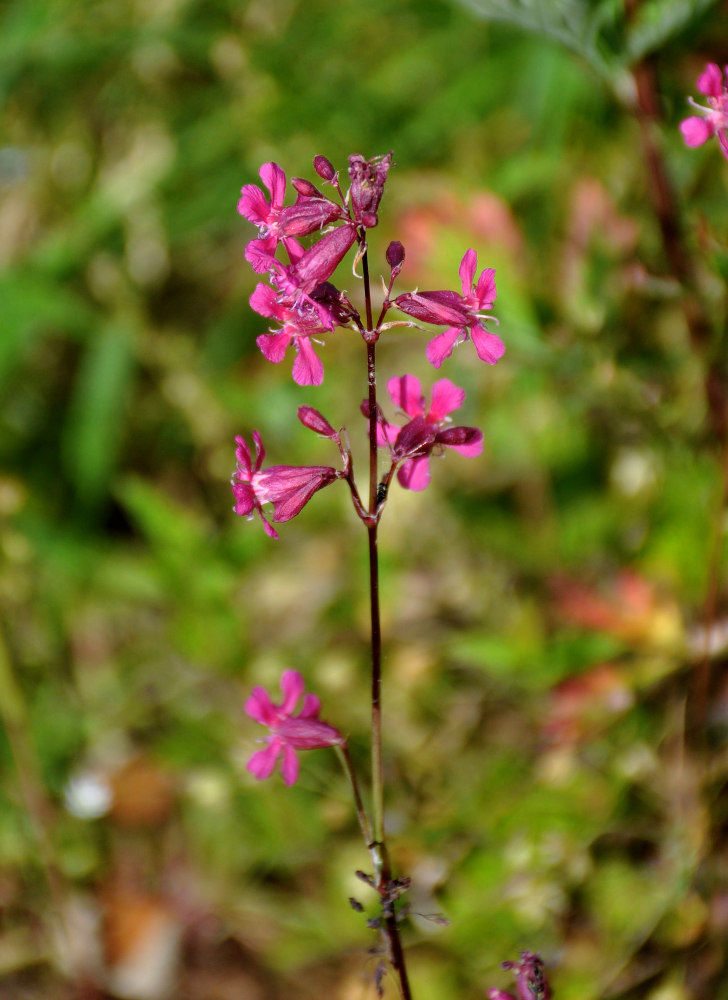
column 287, row 487
column 713, row 119
column 413, row 442
column 463, row 315
column 246, row 482
column 289, row 732
column 290, row 487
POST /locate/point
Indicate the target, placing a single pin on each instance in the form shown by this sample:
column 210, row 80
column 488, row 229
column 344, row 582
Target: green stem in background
column 342, row 753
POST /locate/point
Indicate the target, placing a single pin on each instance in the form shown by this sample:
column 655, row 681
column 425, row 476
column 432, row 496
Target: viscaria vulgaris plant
column 298, row 248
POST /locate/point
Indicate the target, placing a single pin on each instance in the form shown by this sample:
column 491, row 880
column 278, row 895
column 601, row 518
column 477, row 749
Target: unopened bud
column 317, row 422
column 395, row 256
column 324, row 168
column 306, row 188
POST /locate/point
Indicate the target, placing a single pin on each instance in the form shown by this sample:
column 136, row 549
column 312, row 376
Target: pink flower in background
column 462, row 314
column 287, row 487
column 714, row 119
column 288, row 732
column 414, row 441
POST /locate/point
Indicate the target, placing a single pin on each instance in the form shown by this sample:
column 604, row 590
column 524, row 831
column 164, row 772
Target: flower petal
column 467, row 271
column 260, row 707
column 262, row 764
column 274, row 345
column 488, row 346
column 308, row 368
column 695, row 130
column 275, row 180
column 446, row 397
column 289, row 767
column 415, row 473
column 311, row 707
column 710, row 82
column 440, row 347
column 406, row 393
column 253, row 205
column 292, row 685
column 485, row 290
column 264, row 301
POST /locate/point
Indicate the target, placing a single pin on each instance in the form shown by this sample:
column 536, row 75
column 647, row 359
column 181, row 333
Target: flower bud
column 395, row 256
column 317, row 422
column 324, row 168
column 306, row 188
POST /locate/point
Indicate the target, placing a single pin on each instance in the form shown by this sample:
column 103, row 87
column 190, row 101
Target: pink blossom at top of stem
column 413, row 442
column 256, row 208
column 500, row 995
column 300, row 321
column 311, row 211
column 287, row 487
column 463, row 314
column 713, row 120
column 289, row 732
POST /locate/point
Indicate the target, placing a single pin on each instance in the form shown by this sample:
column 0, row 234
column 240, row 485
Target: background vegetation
column 555, row 612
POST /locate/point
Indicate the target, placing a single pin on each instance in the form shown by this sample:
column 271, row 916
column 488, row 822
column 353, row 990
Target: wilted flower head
column 463, row 314
column 288, row 732
column 367, row 186
column 531, row 982
column 713, row 120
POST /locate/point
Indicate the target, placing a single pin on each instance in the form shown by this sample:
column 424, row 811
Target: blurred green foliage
column 556, row 747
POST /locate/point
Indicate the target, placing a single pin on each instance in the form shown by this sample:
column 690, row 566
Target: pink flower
column 287, row 487
column 256, row 208
column 714, row 119
column 462, row 314
column 288, row 732
column 412, row 443
column 310, row 212
column 299, row 323
column 246, row 482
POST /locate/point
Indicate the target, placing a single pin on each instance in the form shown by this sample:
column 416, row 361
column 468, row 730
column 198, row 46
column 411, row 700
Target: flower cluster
column 299, row 296
column 713, row 119
column 305, row 306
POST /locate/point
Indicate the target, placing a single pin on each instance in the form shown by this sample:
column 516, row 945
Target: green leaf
column 658, row 22
column 92, row 436
column 576, row 24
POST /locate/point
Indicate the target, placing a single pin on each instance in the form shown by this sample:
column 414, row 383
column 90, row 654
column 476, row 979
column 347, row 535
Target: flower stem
column 377, row 847
column 342, row 752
